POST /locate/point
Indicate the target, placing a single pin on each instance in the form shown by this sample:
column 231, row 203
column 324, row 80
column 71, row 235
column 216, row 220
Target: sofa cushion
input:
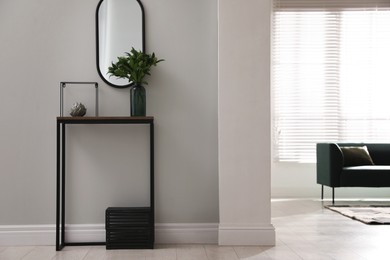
column 356, row 155
column 365, row 176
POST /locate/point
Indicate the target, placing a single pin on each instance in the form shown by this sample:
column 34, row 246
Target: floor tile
column 15, row 253
column 41, row 253
column 191, row 252
column 71, row 253
column 162, row 252
column 96, row 253
column 215, row 252
column 282, row 252
column 252, row 252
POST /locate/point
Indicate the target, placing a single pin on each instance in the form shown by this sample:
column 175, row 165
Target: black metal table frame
column 61, row 152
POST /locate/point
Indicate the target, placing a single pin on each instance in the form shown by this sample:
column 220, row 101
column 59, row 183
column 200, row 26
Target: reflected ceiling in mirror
column 119, row 27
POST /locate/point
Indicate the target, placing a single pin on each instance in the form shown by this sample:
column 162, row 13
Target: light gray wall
column 44, row 42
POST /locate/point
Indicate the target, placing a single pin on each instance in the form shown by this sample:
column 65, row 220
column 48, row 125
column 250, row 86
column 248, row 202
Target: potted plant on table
column 134, row 66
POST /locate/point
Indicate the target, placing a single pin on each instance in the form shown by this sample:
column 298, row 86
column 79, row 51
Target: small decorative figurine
column 78, row 109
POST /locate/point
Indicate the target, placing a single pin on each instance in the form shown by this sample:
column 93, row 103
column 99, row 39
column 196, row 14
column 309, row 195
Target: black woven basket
column 129, row 228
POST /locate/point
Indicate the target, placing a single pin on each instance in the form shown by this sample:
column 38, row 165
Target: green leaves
column 134, row 66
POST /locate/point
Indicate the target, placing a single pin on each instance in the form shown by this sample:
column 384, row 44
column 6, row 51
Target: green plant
column 134, row 66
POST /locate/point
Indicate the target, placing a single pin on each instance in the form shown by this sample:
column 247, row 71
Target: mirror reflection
column 119, row 26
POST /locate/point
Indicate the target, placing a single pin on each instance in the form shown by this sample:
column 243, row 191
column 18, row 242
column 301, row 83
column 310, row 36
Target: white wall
column 244, row 122
column 44, row 42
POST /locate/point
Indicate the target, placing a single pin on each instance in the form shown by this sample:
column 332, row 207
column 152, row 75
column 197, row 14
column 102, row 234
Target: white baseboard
column 249, row 235
column 17, row 235
column 20, row 235
column 198, row 233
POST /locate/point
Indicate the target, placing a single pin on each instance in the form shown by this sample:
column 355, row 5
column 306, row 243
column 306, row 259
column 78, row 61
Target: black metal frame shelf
column 61, row 152
column 63, row 85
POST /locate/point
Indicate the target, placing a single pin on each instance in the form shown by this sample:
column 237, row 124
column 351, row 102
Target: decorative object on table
column 134, row 67
column 368, row 214
column 78, row 109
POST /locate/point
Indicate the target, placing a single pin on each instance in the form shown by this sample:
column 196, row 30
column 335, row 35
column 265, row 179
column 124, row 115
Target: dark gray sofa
column 332, row 171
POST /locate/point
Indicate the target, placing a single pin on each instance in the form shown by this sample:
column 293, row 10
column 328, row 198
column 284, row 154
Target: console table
column 61, row 152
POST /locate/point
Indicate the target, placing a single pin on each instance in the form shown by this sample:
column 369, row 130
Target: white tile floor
column 304, row 230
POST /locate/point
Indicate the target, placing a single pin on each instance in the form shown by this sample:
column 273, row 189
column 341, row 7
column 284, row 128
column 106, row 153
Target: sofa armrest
column 329, row 164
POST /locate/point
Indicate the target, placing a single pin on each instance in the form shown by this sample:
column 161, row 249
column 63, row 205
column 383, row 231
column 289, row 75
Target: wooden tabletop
column 106, row 120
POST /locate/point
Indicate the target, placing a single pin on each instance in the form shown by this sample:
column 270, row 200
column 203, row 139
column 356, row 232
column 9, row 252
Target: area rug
column 373, row 215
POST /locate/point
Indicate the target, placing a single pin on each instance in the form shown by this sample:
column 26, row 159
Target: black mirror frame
column 97, row 43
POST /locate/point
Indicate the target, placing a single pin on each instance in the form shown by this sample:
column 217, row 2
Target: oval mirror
column 119, row 27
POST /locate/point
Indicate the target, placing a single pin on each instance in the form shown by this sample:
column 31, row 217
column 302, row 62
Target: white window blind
column 330, row 74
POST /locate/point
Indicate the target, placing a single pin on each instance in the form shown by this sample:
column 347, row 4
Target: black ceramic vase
column 137, row 101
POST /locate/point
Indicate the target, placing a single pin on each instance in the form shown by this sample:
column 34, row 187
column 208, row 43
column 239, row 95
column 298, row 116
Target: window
column 330, row 74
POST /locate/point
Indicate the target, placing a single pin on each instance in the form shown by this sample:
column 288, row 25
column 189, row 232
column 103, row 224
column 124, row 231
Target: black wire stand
column 63, row 85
